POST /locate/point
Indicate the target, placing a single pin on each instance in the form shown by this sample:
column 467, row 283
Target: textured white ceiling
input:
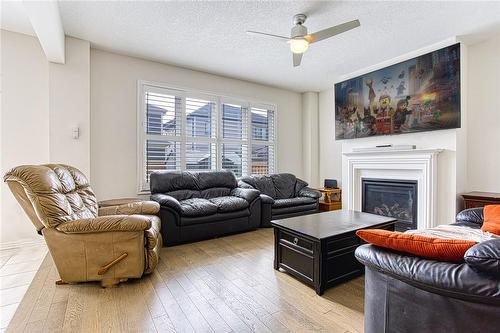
column 14, row 18
column 210, row 35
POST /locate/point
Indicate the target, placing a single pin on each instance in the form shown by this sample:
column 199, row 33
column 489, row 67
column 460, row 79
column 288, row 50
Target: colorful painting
column 421, row 94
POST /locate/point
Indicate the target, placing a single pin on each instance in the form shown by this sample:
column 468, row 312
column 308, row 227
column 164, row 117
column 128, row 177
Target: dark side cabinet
column 321, row 251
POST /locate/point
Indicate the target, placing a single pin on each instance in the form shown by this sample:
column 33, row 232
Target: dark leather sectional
column 202, row 205
column 283, row 195
column 404, row 293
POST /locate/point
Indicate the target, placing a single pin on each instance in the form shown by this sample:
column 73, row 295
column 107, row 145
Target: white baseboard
column 21, row 243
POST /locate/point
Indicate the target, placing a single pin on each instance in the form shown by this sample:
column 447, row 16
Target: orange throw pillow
column 423, row 246
column 491, row 219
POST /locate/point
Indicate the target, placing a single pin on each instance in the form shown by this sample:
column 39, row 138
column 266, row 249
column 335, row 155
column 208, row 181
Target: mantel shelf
column 395, row 152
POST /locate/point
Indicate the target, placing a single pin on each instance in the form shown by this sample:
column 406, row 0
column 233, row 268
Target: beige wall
column 330, row 150
column 25, row 123
column 97, row 91
column 310, row 137
column 483, row 135
column 471, row 160
column 69, row 93
column 331, row 165
column 114, row 116
column 41, row 103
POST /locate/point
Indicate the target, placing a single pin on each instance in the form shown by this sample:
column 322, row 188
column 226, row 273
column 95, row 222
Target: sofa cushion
column 262, row 183
column 184, row 194
column 168, row 181
column 298, row 201
column 230, row 217
column 441, row 249
column 214, row 192
column 216, row 179
column 485, row 257
column 229, row 204
column 491, row 219
column 471, row 215
column 197, row 207
column 281, row 212
column 284, row 185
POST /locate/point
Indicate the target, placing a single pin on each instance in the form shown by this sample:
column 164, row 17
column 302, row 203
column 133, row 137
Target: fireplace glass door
column 393, row 198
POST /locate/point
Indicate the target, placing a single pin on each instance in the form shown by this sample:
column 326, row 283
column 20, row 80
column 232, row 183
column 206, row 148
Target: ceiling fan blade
column 330, row 32
column 266, row 35
column 297, row 58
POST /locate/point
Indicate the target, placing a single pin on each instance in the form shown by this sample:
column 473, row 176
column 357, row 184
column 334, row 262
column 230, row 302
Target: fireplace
column 393, row 198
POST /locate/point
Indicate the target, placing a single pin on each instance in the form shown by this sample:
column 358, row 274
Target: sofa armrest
column 106, row 224
column 137, row 207
column 471, row 215
column 167, row 201
column 444, row 278
column 266, row 199
column 245, row 193
column 309, row 192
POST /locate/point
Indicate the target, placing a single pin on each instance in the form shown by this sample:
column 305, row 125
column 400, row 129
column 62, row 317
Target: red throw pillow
column 491, row 219
column 427, row 247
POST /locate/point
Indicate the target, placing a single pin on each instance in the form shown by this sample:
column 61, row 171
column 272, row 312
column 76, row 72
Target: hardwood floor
column 221, row 285
column 17, row 269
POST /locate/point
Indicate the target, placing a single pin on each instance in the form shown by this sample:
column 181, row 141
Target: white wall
column 310, row 137
column 25, row 123
column 69, row 104
column 483, row 172
column 41, row 102
column 330, row 150
column 331, row 165
column 114, row 116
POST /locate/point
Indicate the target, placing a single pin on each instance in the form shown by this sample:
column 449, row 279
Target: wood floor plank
column 224, row 285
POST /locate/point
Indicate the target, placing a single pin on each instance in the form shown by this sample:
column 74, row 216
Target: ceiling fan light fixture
column 299, row 45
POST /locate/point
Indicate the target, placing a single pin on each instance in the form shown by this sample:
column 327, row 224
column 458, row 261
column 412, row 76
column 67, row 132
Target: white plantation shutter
column 200, row 156
column 163, row 114
column 162, row 155
column 234, row 138
column 234, row 122
column 262, row 127
column 201, row 130
column 181, row 130
column 262, row 124
column 163, row 124
column 201, row 119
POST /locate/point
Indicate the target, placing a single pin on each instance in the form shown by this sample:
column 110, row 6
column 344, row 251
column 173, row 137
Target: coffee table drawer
column 292, row 240
column 296, row 261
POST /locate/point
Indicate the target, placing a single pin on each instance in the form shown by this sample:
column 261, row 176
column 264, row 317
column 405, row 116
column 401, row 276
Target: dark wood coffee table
column 318, row 249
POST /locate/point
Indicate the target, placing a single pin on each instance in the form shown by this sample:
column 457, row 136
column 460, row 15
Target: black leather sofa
column 282, row 195
column 404, row 293
column 202, row 205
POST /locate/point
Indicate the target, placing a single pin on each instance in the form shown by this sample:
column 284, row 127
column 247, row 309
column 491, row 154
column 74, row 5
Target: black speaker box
column 330, row 183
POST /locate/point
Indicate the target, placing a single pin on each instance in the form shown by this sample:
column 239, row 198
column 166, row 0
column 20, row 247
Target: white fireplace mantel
column 414, row 164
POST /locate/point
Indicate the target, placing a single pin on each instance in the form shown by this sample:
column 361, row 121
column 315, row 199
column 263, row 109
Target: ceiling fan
column 299, row 39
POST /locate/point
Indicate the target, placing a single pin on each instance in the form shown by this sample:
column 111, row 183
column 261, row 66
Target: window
column 183, row 130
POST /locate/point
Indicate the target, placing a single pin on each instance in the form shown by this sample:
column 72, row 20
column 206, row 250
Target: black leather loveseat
column 282, row 195
column 404, row 293
column 203, row 205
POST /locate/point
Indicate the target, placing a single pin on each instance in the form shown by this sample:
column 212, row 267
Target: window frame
column 248, row 103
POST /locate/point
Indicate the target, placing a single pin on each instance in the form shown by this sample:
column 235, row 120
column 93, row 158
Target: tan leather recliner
column 88, row 243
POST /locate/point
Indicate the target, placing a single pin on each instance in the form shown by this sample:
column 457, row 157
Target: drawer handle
column 295, row 241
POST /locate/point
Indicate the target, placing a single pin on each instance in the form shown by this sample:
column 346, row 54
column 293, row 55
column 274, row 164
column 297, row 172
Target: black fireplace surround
column 392, row 198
